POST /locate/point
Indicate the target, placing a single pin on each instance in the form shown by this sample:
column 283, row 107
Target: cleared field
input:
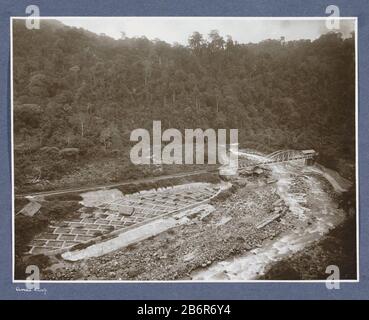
column 106, row 211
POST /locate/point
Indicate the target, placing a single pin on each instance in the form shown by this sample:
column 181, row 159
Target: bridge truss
column 280, row 156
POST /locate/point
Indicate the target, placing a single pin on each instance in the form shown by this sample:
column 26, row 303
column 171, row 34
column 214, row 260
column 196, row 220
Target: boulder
column 49, row 150
column 30, row 209
column 258, row 171
column 69, row 152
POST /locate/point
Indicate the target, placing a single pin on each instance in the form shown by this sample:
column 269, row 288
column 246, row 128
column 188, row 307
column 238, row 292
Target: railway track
column 112, row 185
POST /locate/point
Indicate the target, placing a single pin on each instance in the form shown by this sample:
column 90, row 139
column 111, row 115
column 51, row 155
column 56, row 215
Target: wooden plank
column 267, row 221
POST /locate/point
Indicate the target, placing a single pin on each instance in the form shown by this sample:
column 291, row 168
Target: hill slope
column 73, row 88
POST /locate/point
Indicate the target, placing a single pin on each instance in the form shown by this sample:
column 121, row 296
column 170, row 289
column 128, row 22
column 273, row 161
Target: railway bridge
column 308, row 156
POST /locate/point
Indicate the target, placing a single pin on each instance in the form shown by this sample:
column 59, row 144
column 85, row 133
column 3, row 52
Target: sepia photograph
column 193, row 149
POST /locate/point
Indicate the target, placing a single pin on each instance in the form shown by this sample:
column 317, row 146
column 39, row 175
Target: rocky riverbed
column 314, row 211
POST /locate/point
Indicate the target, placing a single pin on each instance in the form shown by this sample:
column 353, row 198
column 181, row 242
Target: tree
column 108, row 135
column 196, row 42
column 216, row 41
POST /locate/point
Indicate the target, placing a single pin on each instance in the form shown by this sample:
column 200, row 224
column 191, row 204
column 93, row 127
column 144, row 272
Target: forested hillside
column 74, row 89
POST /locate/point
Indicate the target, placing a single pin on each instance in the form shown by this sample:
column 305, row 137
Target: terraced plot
column 112, row 211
